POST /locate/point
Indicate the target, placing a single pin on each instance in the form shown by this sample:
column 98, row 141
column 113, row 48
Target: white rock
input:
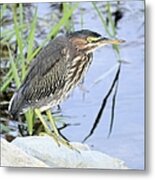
column 45, row 149
column 12, row 156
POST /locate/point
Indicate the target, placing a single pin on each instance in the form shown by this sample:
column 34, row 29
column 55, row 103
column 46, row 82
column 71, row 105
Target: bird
column 57, row 69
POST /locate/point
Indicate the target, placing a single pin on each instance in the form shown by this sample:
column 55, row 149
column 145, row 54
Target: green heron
column 55, row 72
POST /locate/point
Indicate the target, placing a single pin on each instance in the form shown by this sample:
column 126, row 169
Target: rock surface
column 43, row 151
column 12, row 156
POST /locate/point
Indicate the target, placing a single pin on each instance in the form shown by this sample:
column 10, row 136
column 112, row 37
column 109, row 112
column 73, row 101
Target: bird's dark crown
column 84, row 34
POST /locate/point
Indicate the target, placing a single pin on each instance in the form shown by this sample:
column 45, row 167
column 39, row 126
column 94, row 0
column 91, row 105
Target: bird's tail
column 16, row 104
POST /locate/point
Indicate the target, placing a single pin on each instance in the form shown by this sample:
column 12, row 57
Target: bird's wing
column 47, row 58
column 47, row 72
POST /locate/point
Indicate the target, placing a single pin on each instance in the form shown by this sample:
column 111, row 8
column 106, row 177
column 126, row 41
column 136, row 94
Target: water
column 127, row 139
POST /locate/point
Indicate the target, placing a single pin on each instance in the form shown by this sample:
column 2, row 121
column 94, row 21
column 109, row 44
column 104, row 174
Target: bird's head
column 88, row 41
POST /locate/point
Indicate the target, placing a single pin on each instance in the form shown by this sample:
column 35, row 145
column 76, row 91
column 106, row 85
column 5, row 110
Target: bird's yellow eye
column 92, row 39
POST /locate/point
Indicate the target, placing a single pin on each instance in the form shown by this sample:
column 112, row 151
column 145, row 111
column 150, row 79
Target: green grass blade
column 29, row 115
column 111, row 32
column 19, row 39
column 14, row 69
column 17, row 31
column 31, row 36
column 21, row 14
column 3, row 9
column 102, row 19
column 111, row 21
column 6, row 84
column 65, row 10
column 69, row 23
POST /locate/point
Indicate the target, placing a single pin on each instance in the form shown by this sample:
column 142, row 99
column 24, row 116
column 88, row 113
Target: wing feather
column 47, row 72
column 46, row 75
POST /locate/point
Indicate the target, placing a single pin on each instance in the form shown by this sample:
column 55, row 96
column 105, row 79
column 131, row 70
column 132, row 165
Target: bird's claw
column 59, row 140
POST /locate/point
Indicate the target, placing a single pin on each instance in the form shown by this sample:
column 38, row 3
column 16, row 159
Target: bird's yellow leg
column 52, row 121
column 48, row 131
column 55, row 134
column 59, row 137
column 38, row 113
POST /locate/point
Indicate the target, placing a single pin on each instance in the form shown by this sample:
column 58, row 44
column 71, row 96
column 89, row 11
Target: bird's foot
column 60, row 140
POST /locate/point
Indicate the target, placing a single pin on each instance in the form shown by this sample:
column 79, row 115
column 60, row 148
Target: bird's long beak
column 106, row 41
column 99, row 42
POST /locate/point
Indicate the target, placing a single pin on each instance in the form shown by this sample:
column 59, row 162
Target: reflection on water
column 127, row 139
